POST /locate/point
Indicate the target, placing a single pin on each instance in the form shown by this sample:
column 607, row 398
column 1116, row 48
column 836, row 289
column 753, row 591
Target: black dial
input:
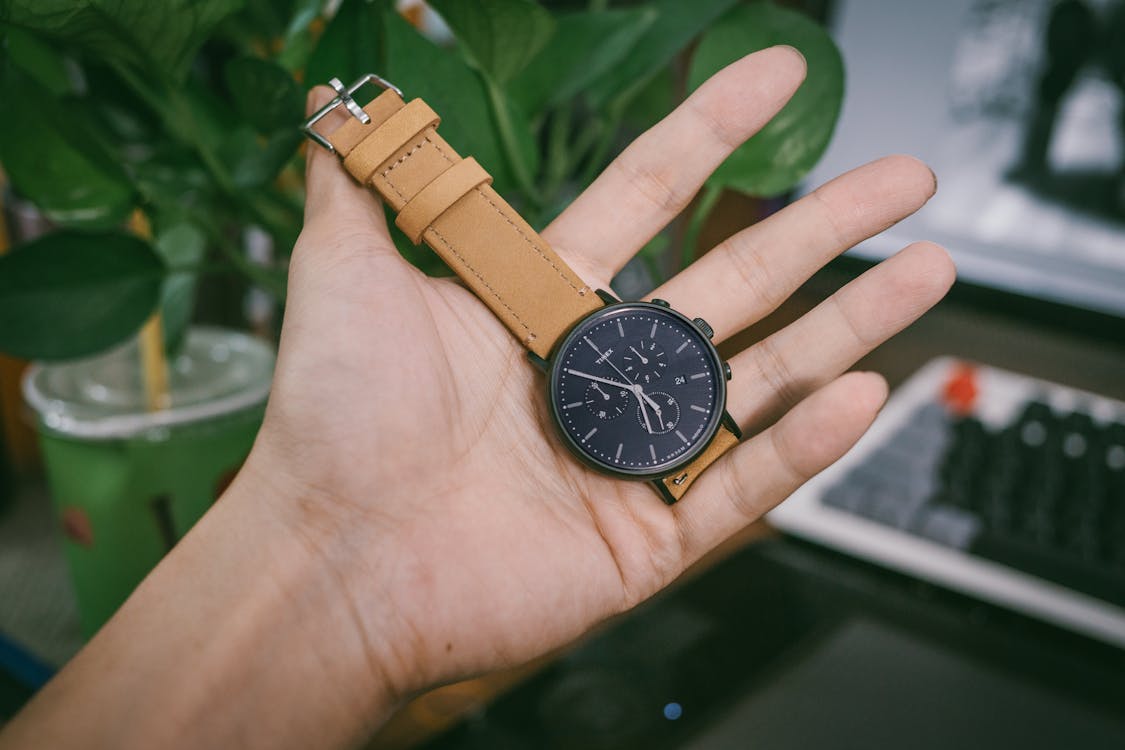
column 661, row 413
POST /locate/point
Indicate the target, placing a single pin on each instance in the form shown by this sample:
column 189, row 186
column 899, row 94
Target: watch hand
column 607, row 381
column 641, row 393
column 644, row 359
column 641, row 404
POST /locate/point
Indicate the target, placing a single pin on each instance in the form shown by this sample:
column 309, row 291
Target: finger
column 334, row 201
column 766, row 469
column 775, row 374
column 647, row 185
column 753, row 271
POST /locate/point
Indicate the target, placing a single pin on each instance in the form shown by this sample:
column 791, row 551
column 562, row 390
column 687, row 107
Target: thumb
column 333, row 199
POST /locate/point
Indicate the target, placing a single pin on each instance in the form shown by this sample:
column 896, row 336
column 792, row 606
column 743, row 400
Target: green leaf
column 782, row 152
column 264, row 94
column 501, row 35
column 52, row 161
column 584, row 46
column 154, row 38
column 37, row 59
column 352, row 44
column 446, row 83
column 253, row 160
column 70, row 294
column 676, row 25
column 180, row 245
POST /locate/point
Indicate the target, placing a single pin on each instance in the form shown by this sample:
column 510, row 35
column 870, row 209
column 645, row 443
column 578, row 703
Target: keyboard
column 998, row 485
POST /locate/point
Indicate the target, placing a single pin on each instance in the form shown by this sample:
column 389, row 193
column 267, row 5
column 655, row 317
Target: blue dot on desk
column 673, row 711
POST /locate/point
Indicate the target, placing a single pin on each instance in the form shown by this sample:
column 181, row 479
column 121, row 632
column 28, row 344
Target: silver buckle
column 344, row 96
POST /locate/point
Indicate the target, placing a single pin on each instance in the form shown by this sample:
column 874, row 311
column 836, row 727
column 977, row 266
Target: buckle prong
column 344, row 97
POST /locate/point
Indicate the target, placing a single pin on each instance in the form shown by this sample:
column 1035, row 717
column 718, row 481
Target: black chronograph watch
column 636, row 389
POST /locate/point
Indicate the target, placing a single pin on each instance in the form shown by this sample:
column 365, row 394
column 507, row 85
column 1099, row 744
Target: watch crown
column 726, row 370
column 661, row 302
column 702, row 325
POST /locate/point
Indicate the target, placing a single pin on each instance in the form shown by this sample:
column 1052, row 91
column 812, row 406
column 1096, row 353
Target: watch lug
column 607, row 297
column 540, row 364
column 665, row 495
column 728, row 422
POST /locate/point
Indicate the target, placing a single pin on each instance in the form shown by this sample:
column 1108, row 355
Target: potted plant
column 157, row 136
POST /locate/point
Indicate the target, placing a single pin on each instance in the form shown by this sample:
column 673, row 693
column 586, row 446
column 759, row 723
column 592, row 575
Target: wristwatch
column 636, row 389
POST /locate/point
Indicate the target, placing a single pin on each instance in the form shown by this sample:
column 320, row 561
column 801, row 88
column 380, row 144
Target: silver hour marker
column 698, row 375
column 682, row 347
column 652, row 451
column 589, row 434
column 652, row 335
column 617, row 456
column 571, row 406
column 620, row 329
column 680, row 435
column 693, row 407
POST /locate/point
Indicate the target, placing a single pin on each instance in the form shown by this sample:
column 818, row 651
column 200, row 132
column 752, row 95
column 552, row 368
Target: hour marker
column 620, row 329
column 652, row 451
column 617, row 456
column 652, row 335
column 589, row 434
column 693, row 407
column 680, row 435
column 698, row 375
column 682, row 347
column 571, row 406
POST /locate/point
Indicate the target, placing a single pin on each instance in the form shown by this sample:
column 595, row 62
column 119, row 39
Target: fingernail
column 795, row 51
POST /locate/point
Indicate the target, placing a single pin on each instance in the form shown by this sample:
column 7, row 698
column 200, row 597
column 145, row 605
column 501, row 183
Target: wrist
column 256, row 645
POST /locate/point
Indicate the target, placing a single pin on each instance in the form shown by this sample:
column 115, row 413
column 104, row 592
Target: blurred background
column 958, row 578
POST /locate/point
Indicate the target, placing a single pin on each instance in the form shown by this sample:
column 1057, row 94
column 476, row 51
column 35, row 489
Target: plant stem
column 703, row 208
column 558, row 154
column 596, row 161
column 274, row 284
column 506, row 129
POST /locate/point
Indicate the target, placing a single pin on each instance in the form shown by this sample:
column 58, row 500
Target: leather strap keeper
column 401, row 127
column 433, row 200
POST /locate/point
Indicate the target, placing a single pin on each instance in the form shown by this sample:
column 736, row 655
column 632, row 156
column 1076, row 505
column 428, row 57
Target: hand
column 408, row 516
column 415, row 438
column 643, row 358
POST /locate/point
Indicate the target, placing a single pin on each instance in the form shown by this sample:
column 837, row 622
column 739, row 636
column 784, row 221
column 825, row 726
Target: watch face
column 637, row 390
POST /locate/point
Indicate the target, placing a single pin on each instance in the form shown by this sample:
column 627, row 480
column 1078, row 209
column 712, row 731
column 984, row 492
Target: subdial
column 669, row 415
column 605, row 401
column 644, row 361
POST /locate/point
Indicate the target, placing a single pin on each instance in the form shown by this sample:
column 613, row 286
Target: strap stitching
column 531, row 334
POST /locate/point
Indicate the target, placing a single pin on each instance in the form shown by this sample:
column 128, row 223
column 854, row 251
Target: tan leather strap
column 494, row 251
column 674, row 486
column 435, row 199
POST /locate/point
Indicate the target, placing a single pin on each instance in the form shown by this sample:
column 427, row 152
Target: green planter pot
column 127, row 484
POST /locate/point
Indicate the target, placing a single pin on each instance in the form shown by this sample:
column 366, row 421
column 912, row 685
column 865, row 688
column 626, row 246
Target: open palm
column 417, row 434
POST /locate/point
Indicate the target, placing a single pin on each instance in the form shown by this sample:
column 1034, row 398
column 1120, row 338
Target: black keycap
column 1101, row 581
